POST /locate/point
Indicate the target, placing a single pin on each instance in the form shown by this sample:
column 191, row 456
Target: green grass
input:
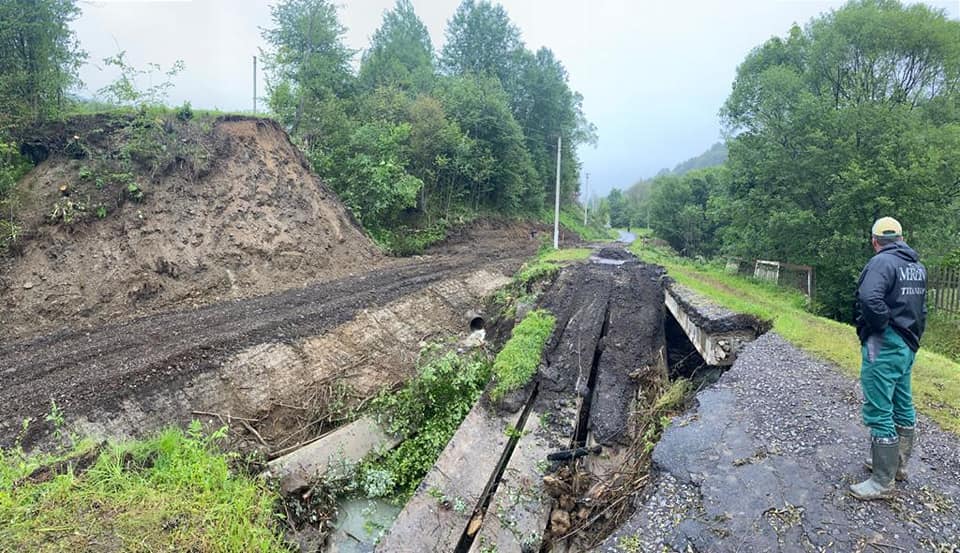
column 936, row 378
column 571, row 218
column 517, row 362
column 172, row 492
column 942, row 334
column 548, row 263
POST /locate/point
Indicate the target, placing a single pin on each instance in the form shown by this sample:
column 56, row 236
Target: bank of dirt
column 223, row 209
column 101, row 369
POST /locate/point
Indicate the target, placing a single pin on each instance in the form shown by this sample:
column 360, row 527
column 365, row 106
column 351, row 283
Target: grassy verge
column 548, row 263
column 173, row 492
column 943, row 334
column 936, row 378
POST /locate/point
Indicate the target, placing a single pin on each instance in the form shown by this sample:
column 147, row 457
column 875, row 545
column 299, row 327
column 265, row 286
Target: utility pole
column 556, row 205
column 254, row 85
column 585, row 201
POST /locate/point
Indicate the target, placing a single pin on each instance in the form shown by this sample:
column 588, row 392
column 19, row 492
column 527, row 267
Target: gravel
column 764, row 461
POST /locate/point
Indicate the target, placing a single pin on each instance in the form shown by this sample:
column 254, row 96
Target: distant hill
column 716, row 155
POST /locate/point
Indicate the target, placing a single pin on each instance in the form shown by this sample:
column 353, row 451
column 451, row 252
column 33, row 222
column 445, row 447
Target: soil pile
column 131, row 215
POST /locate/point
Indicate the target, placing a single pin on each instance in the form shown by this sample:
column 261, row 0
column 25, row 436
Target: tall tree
column 400, row 53
column 546, row 107
column 501, row 174
column 308, row 64
column 481, row 39
column 39, row 58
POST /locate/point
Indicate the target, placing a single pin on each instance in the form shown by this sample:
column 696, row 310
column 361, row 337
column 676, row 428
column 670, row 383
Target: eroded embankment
column 243, row 359
column 282, row 391
column 129, row 215
column 526, row 467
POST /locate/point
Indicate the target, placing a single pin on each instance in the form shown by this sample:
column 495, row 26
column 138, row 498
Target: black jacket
column 892, row 290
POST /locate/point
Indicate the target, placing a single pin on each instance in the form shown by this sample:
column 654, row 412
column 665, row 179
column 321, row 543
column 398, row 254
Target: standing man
column 891, row 315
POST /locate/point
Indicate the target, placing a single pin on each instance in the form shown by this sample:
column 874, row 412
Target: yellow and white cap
column 887, row 226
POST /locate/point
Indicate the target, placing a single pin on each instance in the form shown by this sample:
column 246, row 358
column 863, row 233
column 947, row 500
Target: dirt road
column 82, row 370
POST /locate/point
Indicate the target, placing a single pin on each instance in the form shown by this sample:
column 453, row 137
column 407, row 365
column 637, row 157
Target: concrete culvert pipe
column 475, row 320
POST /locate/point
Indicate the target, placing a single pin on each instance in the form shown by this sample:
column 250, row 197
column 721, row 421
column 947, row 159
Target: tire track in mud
column 87, row 370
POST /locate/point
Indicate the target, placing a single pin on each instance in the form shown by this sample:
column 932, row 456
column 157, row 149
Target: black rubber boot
column 886, row 461
column 906, row 434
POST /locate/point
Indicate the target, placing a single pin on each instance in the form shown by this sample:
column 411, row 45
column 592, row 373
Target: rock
column 553, row 485
column 559, row 522
column 27, row 285
column 567, row 502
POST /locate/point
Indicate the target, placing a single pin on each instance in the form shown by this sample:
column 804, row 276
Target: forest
column 854, row 116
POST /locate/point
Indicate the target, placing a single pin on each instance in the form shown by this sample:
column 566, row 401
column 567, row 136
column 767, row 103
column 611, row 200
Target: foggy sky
column 653, row 73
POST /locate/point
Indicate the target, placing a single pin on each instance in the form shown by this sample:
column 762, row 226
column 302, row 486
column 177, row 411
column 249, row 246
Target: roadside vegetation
column 936, row 378
column 519, row 359
column 572, row 219
column 175, row 491
column 426, row 412
column 547, row 263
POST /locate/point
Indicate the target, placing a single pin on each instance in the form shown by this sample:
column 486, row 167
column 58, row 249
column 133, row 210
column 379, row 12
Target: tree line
column 410, row 138
column 852, row 117
column 416, row 138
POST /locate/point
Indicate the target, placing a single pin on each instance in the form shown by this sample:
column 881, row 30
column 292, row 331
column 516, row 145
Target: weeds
column 174, row 491
column 517, row 362
column 68, row 211
column 404, row 241
column 427, row 411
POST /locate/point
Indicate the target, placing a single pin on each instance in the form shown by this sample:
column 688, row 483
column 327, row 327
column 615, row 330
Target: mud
column 606, row 351
column 633, row 353
column 151, row 367
column 609, row 339
column 618, row 254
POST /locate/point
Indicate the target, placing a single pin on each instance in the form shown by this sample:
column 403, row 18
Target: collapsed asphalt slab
column 764, row 461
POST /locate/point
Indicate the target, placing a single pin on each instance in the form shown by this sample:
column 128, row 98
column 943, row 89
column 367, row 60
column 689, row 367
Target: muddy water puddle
column 360, row 523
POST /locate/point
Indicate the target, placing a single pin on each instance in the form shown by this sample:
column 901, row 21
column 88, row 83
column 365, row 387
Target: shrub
column 427, row 412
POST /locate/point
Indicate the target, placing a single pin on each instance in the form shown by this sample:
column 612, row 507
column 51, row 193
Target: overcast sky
column 653, row 73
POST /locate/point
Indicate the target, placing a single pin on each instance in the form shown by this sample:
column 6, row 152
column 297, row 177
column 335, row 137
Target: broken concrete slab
column 516, row 518
column 349, row 443
column 437, row 515
column 717, row 333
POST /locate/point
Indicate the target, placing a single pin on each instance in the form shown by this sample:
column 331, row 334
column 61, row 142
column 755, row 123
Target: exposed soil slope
column 229, row 209
column 99, row 369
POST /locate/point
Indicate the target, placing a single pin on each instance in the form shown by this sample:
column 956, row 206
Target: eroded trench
column 556, row 465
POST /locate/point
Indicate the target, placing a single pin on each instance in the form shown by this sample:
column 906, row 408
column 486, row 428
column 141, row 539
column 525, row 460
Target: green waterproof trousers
column 885, row 379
